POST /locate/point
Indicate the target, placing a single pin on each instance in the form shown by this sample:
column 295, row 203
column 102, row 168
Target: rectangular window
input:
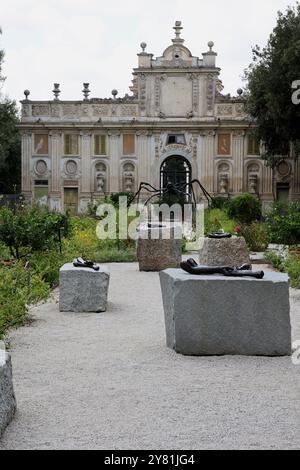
column 178, row 139
column 253, row 145
column 224, row 144
column 71, row 144
column 41, row 145
column 128, row 144
column 100, row 145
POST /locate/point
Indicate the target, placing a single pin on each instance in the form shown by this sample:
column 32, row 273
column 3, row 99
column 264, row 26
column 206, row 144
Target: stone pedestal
column 224, row 252
column 83, row 290
column 216, row 315
column 155, row 253
column 7, row 396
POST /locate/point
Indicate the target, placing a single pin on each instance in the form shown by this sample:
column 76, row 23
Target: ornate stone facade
column 90, row 148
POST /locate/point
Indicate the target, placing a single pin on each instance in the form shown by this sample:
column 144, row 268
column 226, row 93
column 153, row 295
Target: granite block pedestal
column 217, row 315
column 83, row 290
column 224, row 252
column 7, row 396
column 159, row 249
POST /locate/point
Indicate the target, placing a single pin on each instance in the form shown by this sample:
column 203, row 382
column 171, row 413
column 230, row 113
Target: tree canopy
column 270, row 79
column 10, row 146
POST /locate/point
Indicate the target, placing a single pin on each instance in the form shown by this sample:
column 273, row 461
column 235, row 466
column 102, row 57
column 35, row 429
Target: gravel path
column 107, row 381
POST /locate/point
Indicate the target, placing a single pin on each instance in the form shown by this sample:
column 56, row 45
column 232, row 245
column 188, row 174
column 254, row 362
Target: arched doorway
column 176, row 170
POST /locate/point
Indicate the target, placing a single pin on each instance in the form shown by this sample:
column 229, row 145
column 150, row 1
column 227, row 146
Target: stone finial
column 178, row 28
column 115, row 93
column 143, row 47
column 26, row 93
column 56, row 91
column 240, row 91
column 211, row 45
column 86, row 91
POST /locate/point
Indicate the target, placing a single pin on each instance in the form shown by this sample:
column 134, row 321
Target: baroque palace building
column 175, row 126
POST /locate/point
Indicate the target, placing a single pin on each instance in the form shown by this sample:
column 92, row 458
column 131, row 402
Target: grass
column 291, row 265
column 15, row 297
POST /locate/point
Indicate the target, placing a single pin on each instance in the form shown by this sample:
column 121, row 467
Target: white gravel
column 107, row 381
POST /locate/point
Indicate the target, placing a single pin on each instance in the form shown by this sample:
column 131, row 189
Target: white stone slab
column 217, row 315
column 83, row 290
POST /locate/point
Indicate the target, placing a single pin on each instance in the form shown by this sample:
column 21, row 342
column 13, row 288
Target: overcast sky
column 96, row 41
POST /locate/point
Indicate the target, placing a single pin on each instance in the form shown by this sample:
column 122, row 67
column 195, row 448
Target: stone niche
column 100, row 179
column 129, row 178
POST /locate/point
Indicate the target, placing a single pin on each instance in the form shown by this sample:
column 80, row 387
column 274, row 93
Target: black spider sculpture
column 185, row 190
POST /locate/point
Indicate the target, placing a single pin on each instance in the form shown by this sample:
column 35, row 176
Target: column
column 27, row 150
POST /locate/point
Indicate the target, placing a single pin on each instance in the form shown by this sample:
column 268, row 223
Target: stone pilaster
column 206, row 170
column 86, row 154
column 143, row 152
column 296, row 180
column 238, row 153
column 27, row 150
column 115, row 161
column 267, row 186
column 56, row 186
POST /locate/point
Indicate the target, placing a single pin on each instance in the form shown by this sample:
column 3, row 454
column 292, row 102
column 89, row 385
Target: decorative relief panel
column 69, row 110
column 129, row 110
column 225, row 110
column 26, row 110
column 71, row 168
column 55, row 110
column 40, row 110
column 240, row 109
column 210, row 92
column 100, row 110
column 142, row 94
column 41, row 168
column 284, row 170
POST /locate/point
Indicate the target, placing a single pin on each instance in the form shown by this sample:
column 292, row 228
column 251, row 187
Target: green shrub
column 256, row 236
column 27, row 230
column 16, row 292
column 217, row 219
column 292, row 267
column 245, row 209
column 114, row 198
column 283, row 222
column 220, row 203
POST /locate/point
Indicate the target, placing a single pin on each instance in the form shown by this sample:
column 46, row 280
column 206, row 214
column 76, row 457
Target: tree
column 270, row 78
column 1, row 61
column 10, row 145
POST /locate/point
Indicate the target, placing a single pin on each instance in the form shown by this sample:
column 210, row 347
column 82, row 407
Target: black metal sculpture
column 82, row 263
column 185, row 190
column 220, row 235
column 192, row 267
